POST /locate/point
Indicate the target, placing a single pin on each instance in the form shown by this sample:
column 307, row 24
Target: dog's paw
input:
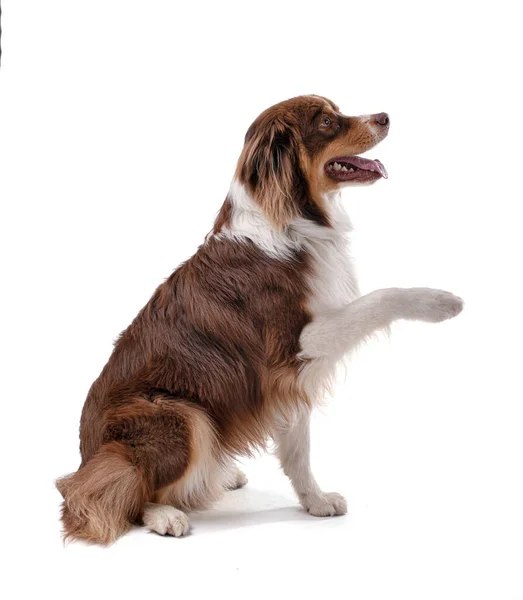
column 325, row 505
column 235, row 479
column 434, row 306
column 165, row 520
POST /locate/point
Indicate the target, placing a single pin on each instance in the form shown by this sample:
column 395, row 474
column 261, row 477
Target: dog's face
column 306, row 147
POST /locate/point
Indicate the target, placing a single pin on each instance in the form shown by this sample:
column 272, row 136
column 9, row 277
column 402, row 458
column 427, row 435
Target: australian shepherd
column 242, row 340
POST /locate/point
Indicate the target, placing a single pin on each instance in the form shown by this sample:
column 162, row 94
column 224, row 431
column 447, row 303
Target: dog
column 241, row 342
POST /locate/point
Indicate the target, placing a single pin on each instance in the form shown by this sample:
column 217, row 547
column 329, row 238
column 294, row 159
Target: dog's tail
column 104, row 497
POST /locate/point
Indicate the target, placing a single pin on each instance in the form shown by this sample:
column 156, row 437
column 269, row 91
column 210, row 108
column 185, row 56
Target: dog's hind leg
column 148, row 446
column 207, row 474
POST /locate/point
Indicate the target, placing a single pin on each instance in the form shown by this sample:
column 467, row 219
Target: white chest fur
column 332, row 283
column 333, row 280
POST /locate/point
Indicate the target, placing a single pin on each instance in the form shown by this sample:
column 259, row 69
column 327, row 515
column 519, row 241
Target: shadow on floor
column 249, row 507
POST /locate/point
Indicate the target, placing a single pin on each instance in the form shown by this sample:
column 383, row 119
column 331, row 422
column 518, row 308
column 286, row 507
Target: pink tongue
column 365, row 164
column 381, row 169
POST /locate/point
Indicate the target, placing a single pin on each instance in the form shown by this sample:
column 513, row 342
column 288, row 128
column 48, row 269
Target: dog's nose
column 382, row 119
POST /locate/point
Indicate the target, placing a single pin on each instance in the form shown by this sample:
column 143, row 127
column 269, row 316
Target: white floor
column 258, row 543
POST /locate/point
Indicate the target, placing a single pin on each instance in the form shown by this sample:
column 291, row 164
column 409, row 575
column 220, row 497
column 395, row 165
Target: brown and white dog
column 242, row 340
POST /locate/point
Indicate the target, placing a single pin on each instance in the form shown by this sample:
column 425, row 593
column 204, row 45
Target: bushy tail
column 103, row 497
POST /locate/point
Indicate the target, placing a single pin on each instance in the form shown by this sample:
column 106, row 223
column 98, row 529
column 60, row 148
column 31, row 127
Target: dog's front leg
column 323, row 342
column 334, row 333
column 293, row 450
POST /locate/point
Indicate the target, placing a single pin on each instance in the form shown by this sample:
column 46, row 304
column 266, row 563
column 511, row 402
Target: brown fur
column 285, row 149
column 103, row 497
column 221, row 334
column 219, row 338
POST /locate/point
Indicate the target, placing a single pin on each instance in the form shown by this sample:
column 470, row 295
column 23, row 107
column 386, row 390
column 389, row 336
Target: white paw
column 432, row 305
column 237, row 479
column 165, row 519
column 325, row 505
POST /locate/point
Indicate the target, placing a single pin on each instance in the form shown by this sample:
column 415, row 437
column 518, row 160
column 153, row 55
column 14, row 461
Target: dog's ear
column 268, row 166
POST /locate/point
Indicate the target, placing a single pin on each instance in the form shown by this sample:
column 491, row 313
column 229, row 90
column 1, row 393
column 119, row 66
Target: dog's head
column 300, row 150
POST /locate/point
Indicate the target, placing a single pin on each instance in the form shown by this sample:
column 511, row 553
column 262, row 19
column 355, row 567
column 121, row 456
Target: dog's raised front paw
column 325, row 505
column 165, row 520
column 427, row 304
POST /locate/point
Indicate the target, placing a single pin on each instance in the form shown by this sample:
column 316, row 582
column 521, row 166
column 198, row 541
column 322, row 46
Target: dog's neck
column 241, row 218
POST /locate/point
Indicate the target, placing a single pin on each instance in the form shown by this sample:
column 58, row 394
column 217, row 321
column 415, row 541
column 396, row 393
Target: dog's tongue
column 365, row 164
column 381, row 168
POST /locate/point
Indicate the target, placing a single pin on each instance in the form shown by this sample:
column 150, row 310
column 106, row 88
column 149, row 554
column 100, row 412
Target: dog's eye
column 326, row 122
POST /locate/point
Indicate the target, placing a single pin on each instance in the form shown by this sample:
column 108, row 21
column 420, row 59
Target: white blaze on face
column 372, row 126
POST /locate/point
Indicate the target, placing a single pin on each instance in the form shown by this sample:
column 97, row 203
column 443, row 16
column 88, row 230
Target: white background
column 120, row 126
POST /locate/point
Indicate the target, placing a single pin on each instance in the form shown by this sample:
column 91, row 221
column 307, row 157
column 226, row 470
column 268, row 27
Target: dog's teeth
column 351, row 170
column 336, row 166
column 344, row 168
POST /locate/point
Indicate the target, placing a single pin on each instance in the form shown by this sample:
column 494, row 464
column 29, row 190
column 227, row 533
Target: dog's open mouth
column 355, row 168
